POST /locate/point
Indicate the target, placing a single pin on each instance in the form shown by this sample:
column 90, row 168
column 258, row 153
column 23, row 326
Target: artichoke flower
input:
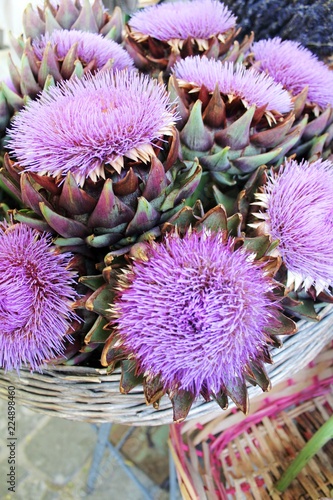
column 103, row 168
column 37, row 296
column 190, row 291
column 160, row 35
column 296, row 210
column 233, row 119
column 53, row 57
column 301, row 73
column 154, row 188
column 72, row 15
column 63, row 54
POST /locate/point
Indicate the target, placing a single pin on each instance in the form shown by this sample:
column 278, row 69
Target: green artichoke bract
column 116, row 211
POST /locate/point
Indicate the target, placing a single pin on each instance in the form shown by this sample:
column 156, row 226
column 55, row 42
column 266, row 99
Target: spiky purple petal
column 234, row 80
column 299, row 206
column 36, row 294
column 295, row 67
column 91, row 47
column 200, row 19
column 195, row 313
column 81, row 125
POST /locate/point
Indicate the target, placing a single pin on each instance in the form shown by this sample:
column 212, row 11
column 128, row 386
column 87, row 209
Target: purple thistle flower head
column 199, row 20
column 295, row 67
column 91, row 47
column 83, row 125
column 36, row 293
column 299, row 213
column 195, row 312
column 234, row 80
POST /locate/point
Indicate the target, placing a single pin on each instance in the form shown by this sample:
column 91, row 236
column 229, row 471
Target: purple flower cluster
column 199, row 310
column 195, row 312
column 36, row 296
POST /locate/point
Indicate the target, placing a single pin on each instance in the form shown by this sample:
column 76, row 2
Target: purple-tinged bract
column 36, row 294
column 295, row 67
column 234, row 80
column 299, row 213
column 85, row 125
column 195, row 312
column 91, row 47
column 200, row 19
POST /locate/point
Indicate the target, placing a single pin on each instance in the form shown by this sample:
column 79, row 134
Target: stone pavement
column 53, row 458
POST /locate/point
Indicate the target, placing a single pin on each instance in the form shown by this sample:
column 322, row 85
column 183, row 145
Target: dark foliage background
column 307, row 21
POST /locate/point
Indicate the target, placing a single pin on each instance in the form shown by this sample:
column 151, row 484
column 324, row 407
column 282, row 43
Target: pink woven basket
column 242, row 457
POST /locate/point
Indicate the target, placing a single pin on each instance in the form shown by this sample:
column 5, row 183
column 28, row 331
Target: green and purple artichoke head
column 194, row 313
column 295, row 208
column 232, row 118
column 72, row 15
column 96, row 159
column 38, row 291
column 53, row 57
column 302, row 74
column 160, row 35
column 63, row 39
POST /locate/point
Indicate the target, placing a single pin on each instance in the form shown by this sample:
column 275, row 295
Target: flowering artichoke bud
column 38, row 291
column 72, row 15
column 296, row 210
column 102, row 169
column 52, row 58
column 194, row 313
column 232, row 118
column 160, row 35
column 302, row 74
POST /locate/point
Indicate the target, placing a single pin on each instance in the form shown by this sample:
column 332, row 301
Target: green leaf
column 318, row 440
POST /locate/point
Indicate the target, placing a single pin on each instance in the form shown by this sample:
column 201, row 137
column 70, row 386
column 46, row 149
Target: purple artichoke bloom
column 295, row 67
column 36, row 294
column 298, row 206
column 199, row 20
column 195, row 312
column 91, row 47
column 234, row 80
column 85, row 125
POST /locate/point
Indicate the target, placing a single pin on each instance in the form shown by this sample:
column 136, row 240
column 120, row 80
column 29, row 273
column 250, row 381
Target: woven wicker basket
column 91, row 395
column 240, row 457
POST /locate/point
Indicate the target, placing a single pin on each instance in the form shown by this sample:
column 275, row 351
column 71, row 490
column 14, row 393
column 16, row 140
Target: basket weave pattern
column 92, row 395
column 243, row 457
